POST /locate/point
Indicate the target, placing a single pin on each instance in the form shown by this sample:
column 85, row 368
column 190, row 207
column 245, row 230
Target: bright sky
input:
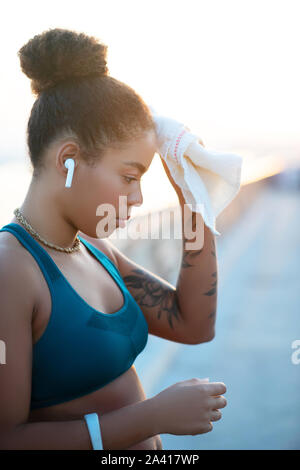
column 228, row 69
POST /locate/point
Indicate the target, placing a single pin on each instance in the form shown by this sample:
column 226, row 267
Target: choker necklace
column 24, row 222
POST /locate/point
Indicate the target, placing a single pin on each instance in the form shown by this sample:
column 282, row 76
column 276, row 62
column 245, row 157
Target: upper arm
column 16, row 309
column 156, row 297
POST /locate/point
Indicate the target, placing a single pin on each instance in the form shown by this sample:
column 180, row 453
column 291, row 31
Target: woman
column 75, row 312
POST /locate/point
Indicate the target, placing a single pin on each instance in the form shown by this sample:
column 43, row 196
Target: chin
column 99, row 229
column 106, row 230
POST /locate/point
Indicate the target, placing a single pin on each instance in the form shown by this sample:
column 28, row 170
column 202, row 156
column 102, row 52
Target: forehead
column 136, row 154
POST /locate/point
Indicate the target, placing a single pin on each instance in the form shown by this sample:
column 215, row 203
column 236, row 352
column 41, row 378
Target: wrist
column 155, row 414
column 125, row 427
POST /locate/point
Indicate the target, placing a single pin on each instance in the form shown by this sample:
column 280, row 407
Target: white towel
column 209, row 180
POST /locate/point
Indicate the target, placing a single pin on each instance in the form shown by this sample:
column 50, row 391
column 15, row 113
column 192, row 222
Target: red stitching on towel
column 177, row 143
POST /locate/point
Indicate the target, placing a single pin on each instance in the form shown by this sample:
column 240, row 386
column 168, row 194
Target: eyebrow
column 137, row 165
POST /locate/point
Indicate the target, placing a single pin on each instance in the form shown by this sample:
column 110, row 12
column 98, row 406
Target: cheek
column 108, row 191
column 96, row 190
column 104, row 188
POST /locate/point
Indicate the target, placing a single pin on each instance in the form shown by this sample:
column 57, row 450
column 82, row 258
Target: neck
column 43, row 215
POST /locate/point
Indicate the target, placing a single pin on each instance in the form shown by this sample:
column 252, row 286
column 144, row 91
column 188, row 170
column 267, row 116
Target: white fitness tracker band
column 92, row 422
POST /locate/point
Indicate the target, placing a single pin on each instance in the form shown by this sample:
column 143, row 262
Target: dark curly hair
column 77, row 98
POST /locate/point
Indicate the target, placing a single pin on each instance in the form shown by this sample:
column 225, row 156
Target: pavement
column 258, row 318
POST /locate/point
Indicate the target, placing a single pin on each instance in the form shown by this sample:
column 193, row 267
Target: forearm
column 196, row 286
column 120, row 429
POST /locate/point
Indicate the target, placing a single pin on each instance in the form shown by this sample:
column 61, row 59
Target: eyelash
column 128, row 178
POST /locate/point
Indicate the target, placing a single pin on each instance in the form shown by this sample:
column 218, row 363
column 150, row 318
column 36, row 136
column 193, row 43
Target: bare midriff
column 125, row 390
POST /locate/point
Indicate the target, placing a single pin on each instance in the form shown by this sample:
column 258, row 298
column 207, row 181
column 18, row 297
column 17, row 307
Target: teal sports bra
column 81, row 349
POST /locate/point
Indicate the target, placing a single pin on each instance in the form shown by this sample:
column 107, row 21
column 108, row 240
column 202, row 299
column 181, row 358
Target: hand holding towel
column 209, row 180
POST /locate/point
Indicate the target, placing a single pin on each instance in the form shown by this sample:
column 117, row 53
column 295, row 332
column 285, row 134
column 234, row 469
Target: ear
column 69, row 149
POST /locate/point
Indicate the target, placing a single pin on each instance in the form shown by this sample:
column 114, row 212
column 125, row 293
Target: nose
column 135, row 198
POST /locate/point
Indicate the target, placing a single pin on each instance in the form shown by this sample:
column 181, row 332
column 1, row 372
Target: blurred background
column 230, row 71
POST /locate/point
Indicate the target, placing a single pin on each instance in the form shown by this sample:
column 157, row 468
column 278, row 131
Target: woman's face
column 97, row 203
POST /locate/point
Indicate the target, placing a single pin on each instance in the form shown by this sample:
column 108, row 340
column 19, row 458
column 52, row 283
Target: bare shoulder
column 13, row 251
column 10, row 250
column 17, row 267
column 103, row 245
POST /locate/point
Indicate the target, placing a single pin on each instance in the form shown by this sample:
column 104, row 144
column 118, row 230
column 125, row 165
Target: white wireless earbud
column 70, row 164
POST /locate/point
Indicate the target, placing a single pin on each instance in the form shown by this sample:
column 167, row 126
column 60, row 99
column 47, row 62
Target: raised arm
column 197, row 282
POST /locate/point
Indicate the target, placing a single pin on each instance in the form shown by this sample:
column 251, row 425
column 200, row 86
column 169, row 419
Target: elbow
column 205, row 338
column 208, row 337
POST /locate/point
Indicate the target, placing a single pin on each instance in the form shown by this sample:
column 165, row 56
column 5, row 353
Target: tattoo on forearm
column 150, row 293
column 212, row 314
column 213, row 251
column 189, row 255
column 213, row 290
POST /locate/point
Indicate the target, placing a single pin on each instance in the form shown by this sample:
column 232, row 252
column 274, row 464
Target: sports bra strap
column 103, row 258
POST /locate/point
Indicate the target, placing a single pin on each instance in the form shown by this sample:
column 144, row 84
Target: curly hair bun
column 57, row 55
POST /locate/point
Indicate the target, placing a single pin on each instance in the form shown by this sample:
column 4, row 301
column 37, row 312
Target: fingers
column 215, row 415
column 209, row 427
column 215, row 388
column 217, row 402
